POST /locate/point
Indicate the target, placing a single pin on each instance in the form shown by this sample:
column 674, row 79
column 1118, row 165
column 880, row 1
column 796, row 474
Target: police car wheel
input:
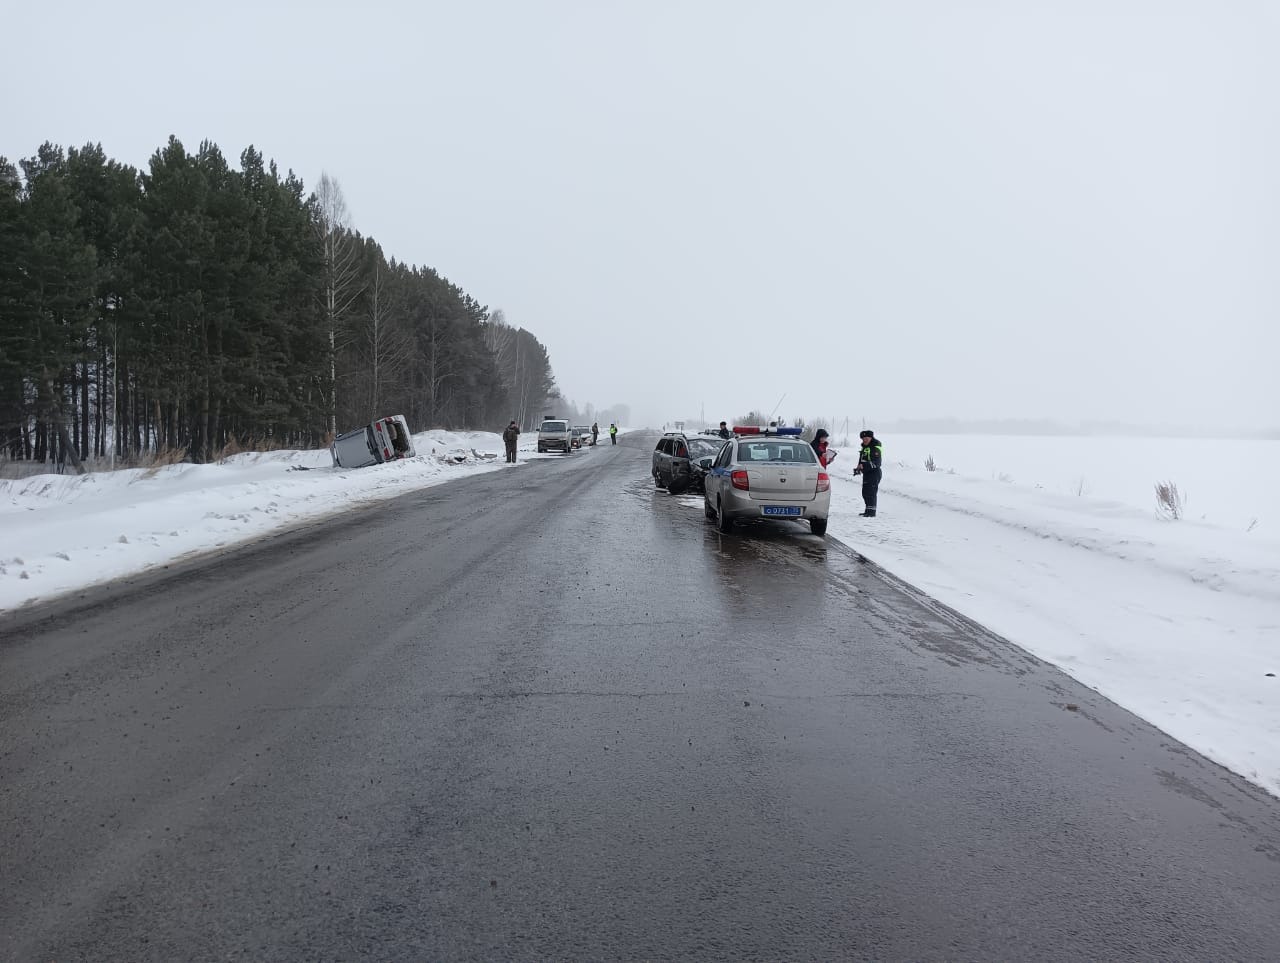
column 707, row 510
column 723, row 522
column 818, row 526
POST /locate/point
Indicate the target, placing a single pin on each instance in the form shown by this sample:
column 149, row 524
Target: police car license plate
column 782, row 509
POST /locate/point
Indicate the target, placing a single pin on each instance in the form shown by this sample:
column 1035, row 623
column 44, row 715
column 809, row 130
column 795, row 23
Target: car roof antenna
column 776, row 407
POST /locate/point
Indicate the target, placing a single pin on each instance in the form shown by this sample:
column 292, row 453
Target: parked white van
column 386, row 439
column 554, row 434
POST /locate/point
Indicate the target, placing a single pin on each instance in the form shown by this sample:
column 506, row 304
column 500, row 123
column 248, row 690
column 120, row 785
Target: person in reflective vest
column 869, row 459
column 613, row 434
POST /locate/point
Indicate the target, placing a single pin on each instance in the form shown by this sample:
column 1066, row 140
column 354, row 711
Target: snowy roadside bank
column 66, row 532
column 1179, row 622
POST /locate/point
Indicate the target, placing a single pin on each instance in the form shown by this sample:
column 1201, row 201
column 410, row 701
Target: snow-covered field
column 1177, row 621
column 1228, row 482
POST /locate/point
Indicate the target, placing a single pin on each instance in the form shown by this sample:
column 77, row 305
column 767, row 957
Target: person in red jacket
column 820, row 445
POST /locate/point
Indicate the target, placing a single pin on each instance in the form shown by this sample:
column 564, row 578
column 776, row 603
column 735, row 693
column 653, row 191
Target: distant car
column 767, row 474
column 554, row 434
column 386, row 439
column 676, row 460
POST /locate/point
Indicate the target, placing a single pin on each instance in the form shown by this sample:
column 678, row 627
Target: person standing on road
column 820, row 444
column 595, row 432
column 724, row 431
column 869, row 459
column 509, row 436
column 613, row 433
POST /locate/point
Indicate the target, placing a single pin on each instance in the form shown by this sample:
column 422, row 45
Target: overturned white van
column 386, row 439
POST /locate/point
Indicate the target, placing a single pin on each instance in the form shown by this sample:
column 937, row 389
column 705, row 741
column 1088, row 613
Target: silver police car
column 767, row 473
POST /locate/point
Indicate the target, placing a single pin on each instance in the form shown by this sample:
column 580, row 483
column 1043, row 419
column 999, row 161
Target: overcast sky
column 892, row 210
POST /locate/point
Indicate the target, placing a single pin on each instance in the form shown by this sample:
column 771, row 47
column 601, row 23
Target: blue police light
column 758, row 430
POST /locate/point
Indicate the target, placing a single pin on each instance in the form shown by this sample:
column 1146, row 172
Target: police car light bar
column 758, row 430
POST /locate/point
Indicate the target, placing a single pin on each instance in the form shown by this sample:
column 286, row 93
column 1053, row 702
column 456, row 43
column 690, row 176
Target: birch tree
column 501, row 341
column 385, row 343
column 342, row 281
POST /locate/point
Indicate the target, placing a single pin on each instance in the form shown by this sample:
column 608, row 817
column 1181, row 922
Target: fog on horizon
column 884, row 210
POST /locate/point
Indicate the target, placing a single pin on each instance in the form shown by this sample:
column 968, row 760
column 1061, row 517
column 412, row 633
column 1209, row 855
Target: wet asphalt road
column 551, row 714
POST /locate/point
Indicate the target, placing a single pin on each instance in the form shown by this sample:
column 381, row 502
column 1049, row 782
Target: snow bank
column 1177, row 621
column 65, row 532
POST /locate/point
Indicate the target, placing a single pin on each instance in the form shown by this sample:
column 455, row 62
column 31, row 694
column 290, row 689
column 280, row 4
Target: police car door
column 719, row 473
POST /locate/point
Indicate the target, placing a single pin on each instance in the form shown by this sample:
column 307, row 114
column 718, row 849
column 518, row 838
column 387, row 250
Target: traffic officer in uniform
column 869, row 459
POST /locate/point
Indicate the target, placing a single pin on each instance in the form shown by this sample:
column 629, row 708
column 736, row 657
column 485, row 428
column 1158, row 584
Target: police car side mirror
column 706, row 462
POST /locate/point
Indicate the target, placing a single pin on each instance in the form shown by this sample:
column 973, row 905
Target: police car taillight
column 824, row 482
column 739, row 480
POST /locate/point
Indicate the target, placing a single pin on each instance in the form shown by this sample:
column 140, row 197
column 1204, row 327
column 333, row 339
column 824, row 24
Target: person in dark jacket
column 509, row 436
column 595, row 432
column 724, row 430
column 820, row 444
column 869, row 459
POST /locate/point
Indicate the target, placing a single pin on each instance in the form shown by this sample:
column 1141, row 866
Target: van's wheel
column 657, row 480
column 818, row 526
column 723, row 522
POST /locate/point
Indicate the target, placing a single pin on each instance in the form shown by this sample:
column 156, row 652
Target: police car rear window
column 782, row 451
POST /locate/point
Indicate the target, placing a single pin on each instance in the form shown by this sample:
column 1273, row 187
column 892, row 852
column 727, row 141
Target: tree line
column 196, row 308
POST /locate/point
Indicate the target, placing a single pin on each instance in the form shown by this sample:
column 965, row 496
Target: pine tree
column 194, row 305
column 61, row 277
